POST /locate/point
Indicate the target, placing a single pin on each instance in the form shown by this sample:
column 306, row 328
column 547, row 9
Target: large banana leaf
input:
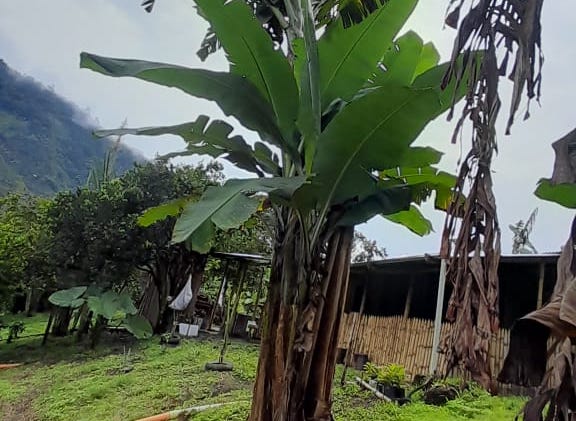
column 211, row 138
column 413, row 220
column 563, row 194
column 348, row 57
column 230, row 205
column 372, row 133
column 252, row 55
column 408, row 58
column 235, row 95
column 395, row 194
column 308, row 69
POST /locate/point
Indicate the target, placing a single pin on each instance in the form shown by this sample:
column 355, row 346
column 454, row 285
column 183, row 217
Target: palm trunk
column 299, row 341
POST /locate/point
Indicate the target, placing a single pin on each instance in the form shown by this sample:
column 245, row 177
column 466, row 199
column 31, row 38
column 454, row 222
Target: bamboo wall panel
column 408, row 342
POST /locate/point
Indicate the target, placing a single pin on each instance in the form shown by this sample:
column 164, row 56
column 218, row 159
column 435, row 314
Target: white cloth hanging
column 183, row 298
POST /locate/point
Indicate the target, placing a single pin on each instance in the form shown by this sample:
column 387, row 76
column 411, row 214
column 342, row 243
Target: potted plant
column 371, row 371
column 390, row 380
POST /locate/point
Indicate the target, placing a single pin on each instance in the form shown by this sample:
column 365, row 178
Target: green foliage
column 563, row 193
column 24, row 240
column 349, row 56
column 371, row 370
column 96, row 238
column 74, row 383
column 355, row 122
column 47, row 144
column 392, row 374
column 68, row 297
column 14, row 328
column 107, row 304
column 229, row 206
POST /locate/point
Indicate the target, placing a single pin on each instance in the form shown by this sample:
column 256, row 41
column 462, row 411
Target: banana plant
column 336, row 117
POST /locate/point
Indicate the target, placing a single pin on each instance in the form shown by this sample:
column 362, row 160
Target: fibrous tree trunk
column 507, row 32
column 302, row 318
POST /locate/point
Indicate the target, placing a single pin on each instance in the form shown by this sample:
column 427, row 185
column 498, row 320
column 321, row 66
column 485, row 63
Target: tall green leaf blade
column 252, row 55
column 207, row 137
column 563, row 194
column 382, row 202
column 308, row 69
column 413, row 220
column 372, row 133
column 219, row 203
column 236, row 96
column 429, row 57
column 348, row 57
column 400, row 61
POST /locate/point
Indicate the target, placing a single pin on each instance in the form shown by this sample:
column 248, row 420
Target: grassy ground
column 126, row 380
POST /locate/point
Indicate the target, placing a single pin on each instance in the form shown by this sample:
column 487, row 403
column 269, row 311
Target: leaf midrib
column 349, row 52
column 361, row 144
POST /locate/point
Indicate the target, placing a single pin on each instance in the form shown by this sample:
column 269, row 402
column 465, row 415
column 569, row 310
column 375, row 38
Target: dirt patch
column 226, row 384
column 20, row 409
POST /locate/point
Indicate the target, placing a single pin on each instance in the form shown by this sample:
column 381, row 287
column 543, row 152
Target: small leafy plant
column 372, row 371
column 392, row 375
column 14, row 330
column 105, row 304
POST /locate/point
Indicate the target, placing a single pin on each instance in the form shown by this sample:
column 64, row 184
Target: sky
column 43, row 39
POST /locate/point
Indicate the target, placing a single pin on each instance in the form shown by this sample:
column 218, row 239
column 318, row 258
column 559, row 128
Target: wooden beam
column 220, row 289
column 409, row 298
column 352, row 337
column 541, row 285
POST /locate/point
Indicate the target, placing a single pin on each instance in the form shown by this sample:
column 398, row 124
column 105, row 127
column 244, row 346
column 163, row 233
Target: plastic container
column 188, row 330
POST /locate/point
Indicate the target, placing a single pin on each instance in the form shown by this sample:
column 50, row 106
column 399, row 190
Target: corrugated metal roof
column 435, row 258
column 253, row 258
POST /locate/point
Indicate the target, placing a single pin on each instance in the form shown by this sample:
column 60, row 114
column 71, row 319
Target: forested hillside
column 46, row 144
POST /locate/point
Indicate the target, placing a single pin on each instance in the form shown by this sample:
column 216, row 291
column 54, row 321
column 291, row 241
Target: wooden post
column 409, row 298
column 540, row 285
column 222, row 283
column 352, row 338
column 232, row 309
column 438, row 318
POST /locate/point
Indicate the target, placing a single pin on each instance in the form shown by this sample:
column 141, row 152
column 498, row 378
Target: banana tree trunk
column 299, row 341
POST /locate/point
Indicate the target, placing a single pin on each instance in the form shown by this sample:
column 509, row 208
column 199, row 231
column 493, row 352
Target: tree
column 24, row 239
column 365, row 250
column 97, row 240
column 344, row 127
column 521, row 242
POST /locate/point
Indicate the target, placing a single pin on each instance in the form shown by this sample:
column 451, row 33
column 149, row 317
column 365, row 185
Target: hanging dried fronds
column 498, row 28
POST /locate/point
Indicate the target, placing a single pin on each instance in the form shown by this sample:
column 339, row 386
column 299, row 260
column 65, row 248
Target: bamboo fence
column 407, row 341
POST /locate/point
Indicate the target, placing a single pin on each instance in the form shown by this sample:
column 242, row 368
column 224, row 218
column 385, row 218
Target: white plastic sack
column 183, row 298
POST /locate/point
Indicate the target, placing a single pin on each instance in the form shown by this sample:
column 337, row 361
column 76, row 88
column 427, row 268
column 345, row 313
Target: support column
column 353, row 336
column 541, row 284
column 438, row 318
column 409, row 298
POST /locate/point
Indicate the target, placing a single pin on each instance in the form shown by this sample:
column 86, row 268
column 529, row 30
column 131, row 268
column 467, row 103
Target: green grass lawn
column 127, row 380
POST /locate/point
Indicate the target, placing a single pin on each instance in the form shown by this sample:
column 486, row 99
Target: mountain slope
column 45, row 143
